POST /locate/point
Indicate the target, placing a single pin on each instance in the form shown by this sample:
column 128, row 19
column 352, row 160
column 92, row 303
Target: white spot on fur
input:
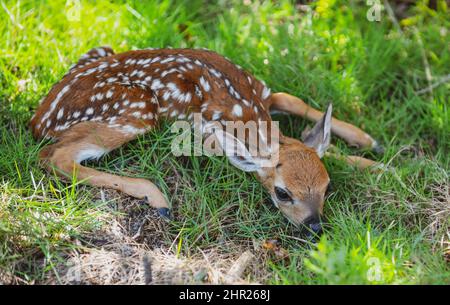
column 101, row 52
column 166, row 95
column 60, row 114
column 168, row 59
column 205, row 84
column 198, row 92
column 183, row 59
column 234, row 93
column 137, row 105
column 155, row 59
column 216, row 115
column 246, row 103
column 215, row 73
column 266, row 92
column 237, row 110
column 156, row 84
column 187, row 97
column 56, row 101
column 175, row 91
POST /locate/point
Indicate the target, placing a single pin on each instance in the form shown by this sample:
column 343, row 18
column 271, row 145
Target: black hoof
column 165, row 213
column 378, row 149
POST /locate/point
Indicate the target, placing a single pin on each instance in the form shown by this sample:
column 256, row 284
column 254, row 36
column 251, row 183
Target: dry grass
column 431, row 208
column 128, row 262
column 438, row 212
column 129, row 249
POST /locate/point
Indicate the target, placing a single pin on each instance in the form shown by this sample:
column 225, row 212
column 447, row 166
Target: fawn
column 108, row 99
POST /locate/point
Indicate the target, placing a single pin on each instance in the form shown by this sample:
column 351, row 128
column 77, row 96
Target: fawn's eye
column 281, row 194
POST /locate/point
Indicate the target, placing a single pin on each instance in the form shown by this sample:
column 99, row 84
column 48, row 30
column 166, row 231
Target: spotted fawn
column 108, row 99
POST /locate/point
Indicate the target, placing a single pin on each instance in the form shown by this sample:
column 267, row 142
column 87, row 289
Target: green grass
column 396, row 223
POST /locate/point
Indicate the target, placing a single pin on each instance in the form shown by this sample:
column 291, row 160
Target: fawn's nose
column 316, row 227
column 313, row 224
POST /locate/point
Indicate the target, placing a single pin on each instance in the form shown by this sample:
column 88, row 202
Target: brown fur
column 107, row 99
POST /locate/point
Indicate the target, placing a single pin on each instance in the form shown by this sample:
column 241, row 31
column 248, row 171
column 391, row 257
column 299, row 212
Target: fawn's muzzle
column 313, row 226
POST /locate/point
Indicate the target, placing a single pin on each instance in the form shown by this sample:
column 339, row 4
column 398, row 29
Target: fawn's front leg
column 91, row 140
column 351, row 134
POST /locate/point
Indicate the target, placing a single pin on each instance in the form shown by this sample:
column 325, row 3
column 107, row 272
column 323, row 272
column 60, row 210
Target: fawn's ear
column 236, row 152
column 319, row 136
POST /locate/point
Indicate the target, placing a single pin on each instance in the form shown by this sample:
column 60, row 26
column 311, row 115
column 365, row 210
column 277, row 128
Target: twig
column 392, row 16
column 443, row 80
column 238, row 268
column 139, row 231
column 148, row 278
column 424, row 59
column 11, row 16
column 134, row 12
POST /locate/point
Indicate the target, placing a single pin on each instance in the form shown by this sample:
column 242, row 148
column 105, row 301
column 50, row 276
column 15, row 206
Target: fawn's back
column 129, row 91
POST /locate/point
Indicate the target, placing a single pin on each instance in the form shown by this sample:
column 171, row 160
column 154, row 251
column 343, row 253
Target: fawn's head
column 298, row 182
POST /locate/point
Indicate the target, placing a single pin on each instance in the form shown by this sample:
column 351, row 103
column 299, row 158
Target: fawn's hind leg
column 350, row 133
column 90, row 140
